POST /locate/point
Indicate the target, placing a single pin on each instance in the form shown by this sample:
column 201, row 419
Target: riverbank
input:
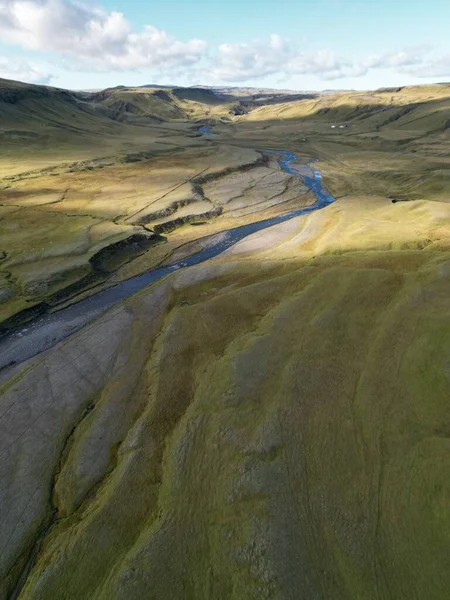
column 46, row 331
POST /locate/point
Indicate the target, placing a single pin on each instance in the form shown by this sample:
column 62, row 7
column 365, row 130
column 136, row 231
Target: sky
column 284, row 44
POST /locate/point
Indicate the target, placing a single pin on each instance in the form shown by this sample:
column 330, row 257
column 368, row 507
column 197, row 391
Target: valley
column 211, row 389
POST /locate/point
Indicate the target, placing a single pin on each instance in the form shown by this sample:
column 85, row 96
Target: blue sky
column 319, row 44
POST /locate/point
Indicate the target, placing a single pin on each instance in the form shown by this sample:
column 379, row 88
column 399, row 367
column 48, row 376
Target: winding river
column 45, row 332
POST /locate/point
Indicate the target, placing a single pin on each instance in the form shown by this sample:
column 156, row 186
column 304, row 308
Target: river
column 43, row 333
column 205, row 130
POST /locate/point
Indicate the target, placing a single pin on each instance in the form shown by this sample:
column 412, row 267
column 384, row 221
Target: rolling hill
column 270, row 423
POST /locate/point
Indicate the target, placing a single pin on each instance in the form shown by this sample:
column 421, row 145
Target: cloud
column 93, row 36
column 20, row 70
column 434, row 65
column 403, row 58
column 325, row 64
column 277, row 56
column 420, row 61
column 240, row 62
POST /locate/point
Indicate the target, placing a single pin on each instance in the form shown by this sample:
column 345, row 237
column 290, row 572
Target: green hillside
column 271, row 423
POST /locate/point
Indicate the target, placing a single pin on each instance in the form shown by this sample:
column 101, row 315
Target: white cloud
column 20, row 70
column 403, row 58
column 238, row 62
column 325, row 64
column 435, row 65
column 420, row 61
column 242, row 62
column 92, row 36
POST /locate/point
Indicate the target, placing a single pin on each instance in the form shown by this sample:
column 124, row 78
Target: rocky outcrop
column 169, row 226
column 108, row 259
column 201, row 179
column 242, row 108
column 101, row 265
column 169, row 210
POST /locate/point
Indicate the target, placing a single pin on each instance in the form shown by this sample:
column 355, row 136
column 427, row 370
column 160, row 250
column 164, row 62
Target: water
column 205, row 130
column 45, row 332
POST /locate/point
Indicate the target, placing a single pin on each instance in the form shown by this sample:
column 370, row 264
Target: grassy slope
column 281, row 428
column 396, row 143
column 274, row 438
